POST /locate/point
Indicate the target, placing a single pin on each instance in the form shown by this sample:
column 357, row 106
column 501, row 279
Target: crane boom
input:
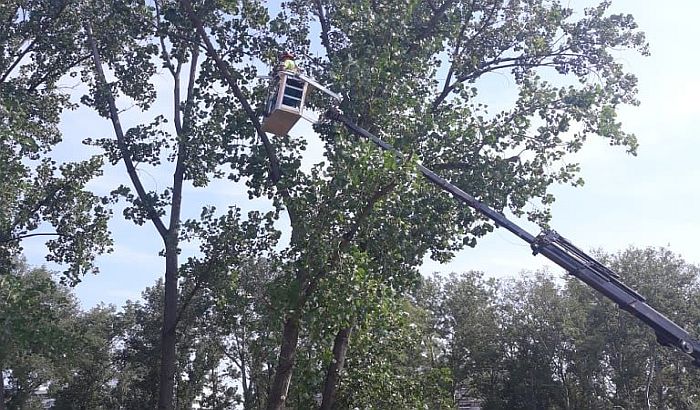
column 562, row 252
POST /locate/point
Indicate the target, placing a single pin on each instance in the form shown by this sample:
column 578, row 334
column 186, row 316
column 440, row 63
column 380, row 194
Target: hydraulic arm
column 562, row 252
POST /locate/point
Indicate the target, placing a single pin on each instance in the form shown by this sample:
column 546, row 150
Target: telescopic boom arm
column 562, row 252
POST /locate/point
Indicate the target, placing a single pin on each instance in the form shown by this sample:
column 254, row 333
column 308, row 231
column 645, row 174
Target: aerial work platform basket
column 285, row 104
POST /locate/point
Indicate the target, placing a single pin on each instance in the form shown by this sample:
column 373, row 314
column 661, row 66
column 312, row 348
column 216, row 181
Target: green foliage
column 38, row 46
column 89, row 371
column 643, row 373
column 541, row 343
column 361, row 221
column 36, row 334
column 530, row 343
column 390, row 364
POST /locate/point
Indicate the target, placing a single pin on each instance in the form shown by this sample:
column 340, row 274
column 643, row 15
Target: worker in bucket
column 287, row 62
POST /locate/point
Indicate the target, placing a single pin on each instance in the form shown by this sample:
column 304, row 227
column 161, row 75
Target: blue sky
column 648, row 200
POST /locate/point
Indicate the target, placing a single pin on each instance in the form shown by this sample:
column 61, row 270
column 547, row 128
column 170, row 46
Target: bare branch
column 21, row 237
column 190, row 85
column 177, row 111
column 325, row 27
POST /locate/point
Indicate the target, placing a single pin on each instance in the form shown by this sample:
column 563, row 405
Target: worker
column 287, row 62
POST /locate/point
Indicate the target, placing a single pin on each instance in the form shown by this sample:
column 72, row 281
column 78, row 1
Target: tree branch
column 179, row 174
column 119, row 132
column 325, row 28
column 274, row 166
column 187, row 300
column 177, row 112
column 345, row 241
column 449, row 87
column 438, row 13
column 19, row 59
column 190, row 86
column 42, row 79
column 20, row 237
column 37, row 206
column 164, row 50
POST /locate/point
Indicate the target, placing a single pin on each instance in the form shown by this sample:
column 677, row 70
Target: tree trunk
column 285, row 364
column 2, row 389
column 340, row 349
column 167, row 354
column 247, row 398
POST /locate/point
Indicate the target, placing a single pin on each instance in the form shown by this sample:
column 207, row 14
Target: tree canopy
column 336, row 314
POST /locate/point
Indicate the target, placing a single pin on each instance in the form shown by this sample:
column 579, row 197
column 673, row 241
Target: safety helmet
column 286, row 55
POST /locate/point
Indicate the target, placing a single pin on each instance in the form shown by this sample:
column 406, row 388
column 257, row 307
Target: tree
column 391, row 363
column 86, row 382
column 640, row 373
column 128, row 42
column 248, row 320
column 386, row 59
column 536, row 346
column 538, row 342
column 36, row 335
column 469, row 332
column 38, row 43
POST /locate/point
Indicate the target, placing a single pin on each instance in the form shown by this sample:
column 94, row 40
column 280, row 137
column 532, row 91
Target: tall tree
column 639, row 372
column 89, row 369
column 41, row 196
column 128, row 42
column 538, row 342
column 410, row 72
column 468, row 322
column 36, row 334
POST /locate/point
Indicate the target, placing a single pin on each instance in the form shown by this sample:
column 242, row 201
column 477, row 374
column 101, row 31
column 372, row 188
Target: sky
column 642, row 201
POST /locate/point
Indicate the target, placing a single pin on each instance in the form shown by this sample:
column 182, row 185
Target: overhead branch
column 164, row 50
column 425, row 32
column 187, row 299
column 346, row 240
column 119, row 132
column 535, row 61
column 57, row 65
column 182, row 153
column 45, row 201
column 30, row 47
column 177, row 112
column 18, row 59
column 449, row 86
column 231, row 357
column 20, row 237
column 325, row 27
column 191, row 83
